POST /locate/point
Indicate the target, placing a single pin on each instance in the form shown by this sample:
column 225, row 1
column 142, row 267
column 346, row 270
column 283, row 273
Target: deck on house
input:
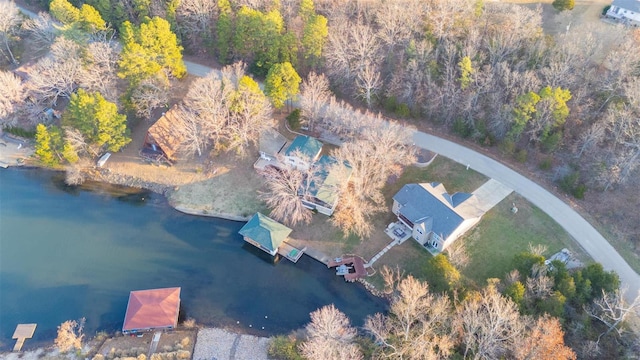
column 357, row 264
column 292, row 253
column 23, row 332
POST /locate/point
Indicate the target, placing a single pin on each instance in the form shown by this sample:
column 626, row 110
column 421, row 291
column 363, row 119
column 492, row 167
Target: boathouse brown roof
column 152, row 309
column 163, row 134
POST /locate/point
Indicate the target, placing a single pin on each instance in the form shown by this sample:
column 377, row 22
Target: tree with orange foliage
column 544, row 341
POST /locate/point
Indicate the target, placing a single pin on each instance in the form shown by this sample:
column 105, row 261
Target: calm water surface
column 67, row 253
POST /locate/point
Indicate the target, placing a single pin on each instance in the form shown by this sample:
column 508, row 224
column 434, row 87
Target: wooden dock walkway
column 23, row 332
column 293, row 254
column 355, row 261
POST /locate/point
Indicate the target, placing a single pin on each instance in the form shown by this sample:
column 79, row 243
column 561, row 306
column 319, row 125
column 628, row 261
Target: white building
column 627, row 11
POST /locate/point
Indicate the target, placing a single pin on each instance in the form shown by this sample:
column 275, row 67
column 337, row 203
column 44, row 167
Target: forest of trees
column 485, row 70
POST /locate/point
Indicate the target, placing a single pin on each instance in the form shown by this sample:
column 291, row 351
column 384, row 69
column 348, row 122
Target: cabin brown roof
column 163, row 134
column 152, row 309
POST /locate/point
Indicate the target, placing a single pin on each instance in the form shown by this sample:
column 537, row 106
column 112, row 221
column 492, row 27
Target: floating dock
column 23, row 332
column 355, row 263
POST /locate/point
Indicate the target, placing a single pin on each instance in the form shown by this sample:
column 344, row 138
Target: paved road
column 585, row 234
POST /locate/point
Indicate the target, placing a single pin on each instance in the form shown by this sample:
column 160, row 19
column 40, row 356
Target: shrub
column 293, row 119
column 190, row 323
column 462, row 128
column 551, row 142
column 18, row 131
column 508, row 147
column 571, row 185
column 441, row 274
column 390, row 104
column 284, row 348
column 579, row 190
column 403, row 110
column 521, row 155
column 562, row 5
column 545, row 164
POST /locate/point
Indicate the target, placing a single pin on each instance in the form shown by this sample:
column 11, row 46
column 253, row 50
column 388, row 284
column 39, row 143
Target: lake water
column 67, row 253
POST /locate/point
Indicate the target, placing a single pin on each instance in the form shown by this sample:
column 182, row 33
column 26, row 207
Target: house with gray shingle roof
column 328, row 180
column 435, row 217
column 627, row 11
column 265, row 233
column 302, row 152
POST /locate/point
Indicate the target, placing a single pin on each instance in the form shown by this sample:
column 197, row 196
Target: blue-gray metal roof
column 633, row 5
column 419, row 205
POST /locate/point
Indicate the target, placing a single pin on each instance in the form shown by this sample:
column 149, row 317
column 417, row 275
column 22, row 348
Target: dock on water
column 23, row 332
column 352, row 267
column 293, row 254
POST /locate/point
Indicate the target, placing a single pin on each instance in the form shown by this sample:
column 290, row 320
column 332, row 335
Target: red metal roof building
column 152, row 309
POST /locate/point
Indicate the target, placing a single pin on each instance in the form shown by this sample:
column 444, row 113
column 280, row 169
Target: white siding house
column 627, row 11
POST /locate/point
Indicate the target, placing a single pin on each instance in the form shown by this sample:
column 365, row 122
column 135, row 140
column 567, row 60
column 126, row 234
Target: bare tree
column 58, row 74
column 248, row 120
column 10, row 20
column 590, row 138
column 544, row 341
column 70, row 335
column 100, row 62
column 196, row 19
column 12, row 94
column 458, row 255
column 490, row 325
column 381, row 151
column 150, row 94
column 330, row 336
column 368, row 82
column 42, row 30
column 314, row 95
column 418, row 326
column 192, row 130
column 282, row 196
column 612, row 310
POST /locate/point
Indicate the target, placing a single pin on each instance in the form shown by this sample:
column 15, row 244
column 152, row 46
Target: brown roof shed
column 152, row 309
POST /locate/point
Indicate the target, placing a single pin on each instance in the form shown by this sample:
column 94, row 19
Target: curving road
column 585, row 234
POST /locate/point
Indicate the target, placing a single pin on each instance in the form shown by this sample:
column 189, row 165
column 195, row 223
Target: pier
column 23, row 332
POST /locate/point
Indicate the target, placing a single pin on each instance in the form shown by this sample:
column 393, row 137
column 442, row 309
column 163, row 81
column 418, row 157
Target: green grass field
column 501, row 234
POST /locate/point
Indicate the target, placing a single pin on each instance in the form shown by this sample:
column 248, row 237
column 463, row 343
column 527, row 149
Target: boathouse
column 154, row 309
column 265, row 233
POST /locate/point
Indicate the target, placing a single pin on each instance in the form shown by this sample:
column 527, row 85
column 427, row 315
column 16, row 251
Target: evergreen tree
column 98, row 120
column 466, row 70
column 147, row 50
column 314, row 38
column 522, row 113
column 224, row 31
column 64, row 11
column 44, row 151
column 282, row 83
column 90, row 19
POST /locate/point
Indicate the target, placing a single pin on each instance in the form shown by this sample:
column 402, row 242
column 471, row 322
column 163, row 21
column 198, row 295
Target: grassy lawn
column 455, row 177
column 501, row 234
column 410, row 257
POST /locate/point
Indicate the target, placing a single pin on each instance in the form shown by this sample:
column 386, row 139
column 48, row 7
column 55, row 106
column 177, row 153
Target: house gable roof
column 265, row 231
column 156, row 308
column 430, row 202
column 306, row 145
column 329, row 178
column 163, row 135
column 633, row 5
